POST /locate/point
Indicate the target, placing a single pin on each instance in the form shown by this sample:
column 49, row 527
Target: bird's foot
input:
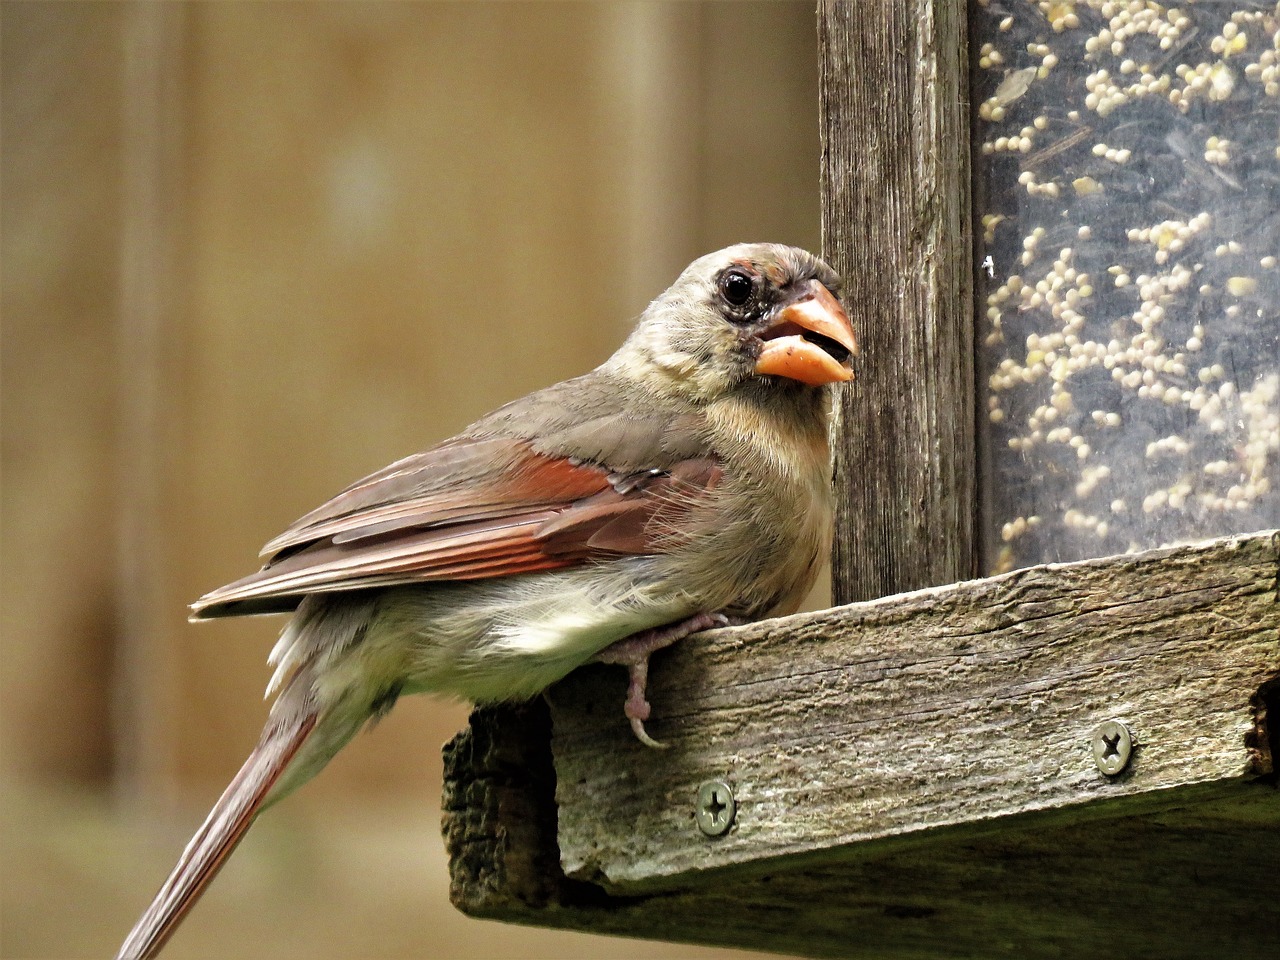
column 634, row 651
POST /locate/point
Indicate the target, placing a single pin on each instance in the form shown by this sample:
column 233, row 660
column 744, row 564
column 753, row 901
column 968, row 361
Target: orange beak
column 810, row 340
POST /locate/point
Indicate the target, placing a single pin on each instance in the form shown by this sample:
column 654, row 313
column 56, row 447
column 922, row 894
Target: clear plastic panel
column 1127, row 195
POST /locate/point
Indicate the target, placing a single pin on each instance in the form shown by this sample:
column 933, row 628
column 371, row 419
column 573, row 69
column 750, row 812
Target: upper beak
column 810, row 339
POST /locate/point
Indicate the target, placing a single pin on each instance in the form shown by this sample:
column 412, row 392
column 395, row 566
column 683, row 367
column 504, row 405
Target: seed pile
column 1127, row 176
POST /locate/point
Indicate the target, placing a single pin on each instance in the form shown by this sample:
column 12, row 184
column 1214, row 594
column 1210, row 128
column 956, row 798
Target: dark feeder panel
column 1127, row 190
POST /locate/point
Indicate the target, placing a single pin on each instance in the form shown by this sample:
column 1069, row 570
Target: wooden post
column 896, row 225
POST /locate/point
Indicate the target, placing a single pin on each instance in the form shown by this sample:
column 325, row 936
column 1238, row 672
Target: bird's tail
column 222, row 829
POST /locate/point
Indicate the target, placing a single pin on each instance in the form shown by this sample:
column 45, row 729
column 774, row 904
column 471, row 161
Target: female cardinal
column 682, row 484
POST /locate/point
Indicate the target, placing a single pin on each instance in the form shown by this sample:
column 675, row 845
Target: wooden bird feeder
column 1074, row 756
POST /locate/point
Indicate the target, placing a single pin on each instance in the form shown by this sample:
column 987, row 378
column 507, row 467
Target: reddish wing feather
column 637, row 515
column 458, row 481
column 444, row 517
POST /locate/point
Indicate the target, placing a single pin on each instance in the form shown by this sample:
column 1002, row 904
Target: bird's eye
column 736, row 287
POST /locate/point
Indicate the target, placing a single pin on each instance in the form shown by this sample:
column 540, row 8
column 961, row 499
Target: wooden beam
column 914, row 776
column 941, row 707
column 896, row 225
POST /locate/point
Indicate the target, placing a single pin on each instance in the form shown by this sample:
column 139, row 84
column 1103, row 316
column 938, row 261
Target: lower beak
column 810, row 340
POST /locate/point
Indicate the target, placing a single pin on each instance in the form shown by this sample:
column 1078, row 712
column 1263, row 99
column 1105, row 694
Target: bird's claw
column 634, row 652
column 637, row 708
column 637, row 727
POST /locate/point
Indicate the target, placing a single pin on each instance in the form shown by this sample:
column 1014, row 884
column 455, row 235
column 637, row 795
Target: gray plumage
column 687, row 475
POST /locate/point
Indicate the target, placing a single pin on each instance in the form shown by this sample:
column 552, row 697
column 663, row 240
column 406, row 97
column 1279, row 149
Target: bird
column 683, row 484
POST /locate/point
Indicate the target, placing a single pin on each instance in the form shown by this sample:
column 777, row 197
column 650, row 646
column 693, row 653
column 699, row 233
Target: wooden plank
column 896, row 225
column 1194, row 882
column 942, row 707
column 917, row 781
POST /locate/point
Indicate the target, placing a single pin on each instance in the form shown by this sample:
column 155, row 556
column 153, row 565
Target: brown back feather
column 565, row 476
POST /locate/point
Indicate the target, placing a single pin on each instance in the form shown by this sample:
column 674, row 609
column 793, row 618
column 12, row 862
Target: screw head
column 1112, row 747
column 716, row 808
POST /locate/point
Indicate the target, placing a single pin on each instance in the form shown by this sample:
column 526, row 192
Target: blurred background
column 252, row 252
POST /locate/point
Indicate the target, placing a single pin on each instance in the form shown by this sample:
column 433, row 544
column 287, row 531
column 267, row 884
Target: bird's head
column 758, row 313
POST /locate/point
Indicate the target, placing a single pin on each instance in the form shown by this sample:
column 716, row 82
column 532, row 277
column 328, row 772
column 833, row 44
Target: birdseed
column 1127, row 181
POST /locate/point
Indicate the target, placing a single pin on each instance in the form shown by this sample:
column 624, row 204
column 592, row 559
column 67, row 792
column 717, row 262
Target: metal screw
column 1112, row 747
column 716, row 808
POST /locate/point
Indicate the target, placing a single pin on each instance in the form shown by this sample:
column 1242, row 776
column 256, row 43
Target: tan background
column 251, row 252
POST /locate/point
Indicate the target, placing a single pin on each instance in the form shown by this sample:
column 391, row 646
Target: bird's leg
column 634, row 652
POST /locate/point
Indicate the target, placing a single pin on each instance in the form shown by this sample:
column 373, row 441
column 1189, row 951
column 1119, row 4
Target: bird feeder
column 1042, row 719
column 1127, row 219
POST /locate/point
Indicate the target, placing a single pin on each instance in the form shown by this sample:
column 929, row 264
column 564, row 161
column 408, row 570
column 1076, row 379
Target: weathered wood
column 914, row 775
column 896, row 225
column 946, row 706
column 1193, row 883
column 499, row 815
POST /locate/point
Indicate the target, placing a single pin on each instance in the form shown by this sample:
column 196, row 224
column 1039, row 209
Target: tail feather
column 225, row 825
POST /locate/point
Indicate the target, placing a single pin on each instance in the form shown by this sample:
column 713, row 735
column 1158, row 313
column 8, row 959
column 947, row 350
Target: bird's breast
column 760, row 543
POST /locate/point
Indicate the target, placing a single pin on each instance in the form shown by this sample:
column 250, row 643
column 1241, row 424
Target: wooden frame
column 912, row 776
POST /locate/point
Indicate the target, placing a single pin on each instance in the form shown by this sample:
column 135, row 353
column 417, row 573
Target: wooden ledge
column 913, row 776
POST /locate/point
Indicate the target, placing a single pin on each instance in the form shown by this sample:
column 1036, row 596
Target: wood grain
column 896, row 225
column 943, row 707
column 914, row 775
column 1187, row 884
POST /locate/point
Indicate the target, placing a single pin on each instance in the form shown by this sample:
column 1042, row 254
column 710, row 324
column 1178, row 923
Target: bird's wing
column 472, row 508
